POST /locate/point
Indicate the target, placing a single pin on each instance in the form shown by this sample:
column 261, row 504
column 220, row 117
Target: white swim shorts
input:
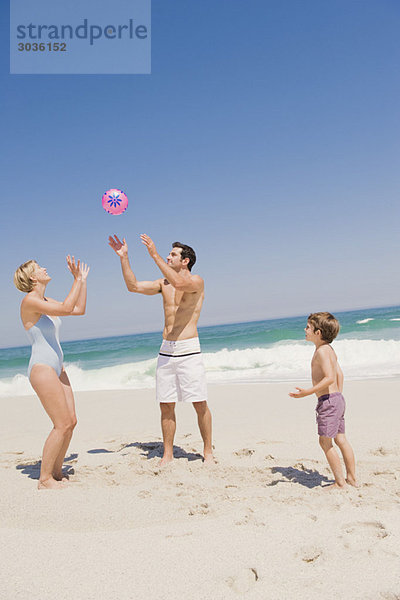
column 181, row 375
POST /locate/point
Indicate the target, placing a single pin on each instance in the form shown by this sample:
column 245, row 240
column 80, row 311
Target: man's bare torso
column 181, row 311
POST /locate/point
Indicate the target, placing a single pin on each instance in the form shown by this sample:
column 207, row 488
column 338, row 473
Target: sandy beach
column 257, row 525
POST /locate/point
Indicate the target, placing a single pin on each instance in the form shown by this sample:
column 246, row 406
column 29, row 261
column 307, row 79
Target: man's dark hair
column 187, row 252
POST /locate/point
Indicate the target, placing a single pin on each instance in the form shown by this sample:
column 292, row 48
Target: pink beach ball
column 115, row 202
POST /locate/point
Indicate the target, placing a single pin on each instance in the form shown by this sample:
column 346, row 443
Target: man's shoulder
column 198, row 282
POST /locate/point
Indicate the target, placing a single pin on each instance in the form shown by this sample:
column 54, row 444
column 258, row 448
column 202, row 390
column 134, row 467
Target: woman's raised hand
column 75, row 268
column 84, row 271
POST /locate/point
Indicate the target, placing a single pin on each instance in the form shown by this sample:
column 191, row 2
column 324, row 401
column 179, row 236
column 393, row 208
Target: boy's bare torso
column 181, row 311
column 326, row 353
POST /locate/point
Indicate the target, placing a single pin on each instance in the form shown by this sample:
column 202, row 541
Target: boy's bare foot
column 165, row 460
column 209, row 459
column 352, row 482
column 50, row 484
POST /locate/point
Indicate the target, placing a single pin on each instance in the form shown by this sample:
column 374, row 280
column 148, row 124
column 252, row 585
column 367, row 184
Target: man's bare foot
column 209, row 459
column 165, row 460
column 50, row 484
column 334, row 486
column 61, row 476
column 352, row 482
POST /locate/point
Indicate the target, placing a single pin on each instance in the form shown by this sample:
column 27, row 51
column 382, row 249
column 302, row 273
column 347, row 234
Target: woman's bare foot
column 50, row 484
column 165, row 460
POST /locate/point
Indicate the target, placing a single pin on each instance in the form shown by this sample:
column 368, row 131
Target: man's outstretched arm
column 141, row 287
column 194, row 284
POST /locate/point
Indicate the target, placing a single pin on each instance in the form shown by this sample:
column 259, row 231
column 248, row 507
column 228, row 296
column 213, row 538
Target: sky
column 266, row 137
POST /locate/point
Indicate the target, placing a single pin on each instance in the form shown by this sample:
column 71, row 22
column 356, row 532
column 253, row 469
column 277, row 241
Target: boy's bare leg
column 168, row 427
column 205, row 426
column 333, row 460
column 348, row 457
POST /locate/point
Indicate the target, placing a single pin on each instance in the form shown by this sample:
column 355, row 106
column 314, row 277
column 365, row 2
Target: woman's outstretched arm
column 33, row 304
column 80, row 306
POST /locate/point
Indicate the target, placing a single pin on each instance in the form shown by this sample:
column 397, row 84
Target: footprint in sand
column 200, row 509
column 249, row 517
column 309, row 554
column 390, row 596
column 144, row 494
column 360, row 530
column 381, row 451
column 178, row 535
column 244, row 580
column 244, row 452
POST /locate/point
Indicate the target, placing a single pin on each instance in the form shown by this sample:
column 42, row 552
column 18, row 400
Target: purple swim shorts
column 330, row 414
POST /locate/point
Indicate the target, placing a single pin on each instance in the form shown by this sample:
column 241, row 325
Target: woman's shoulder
column 26, row 300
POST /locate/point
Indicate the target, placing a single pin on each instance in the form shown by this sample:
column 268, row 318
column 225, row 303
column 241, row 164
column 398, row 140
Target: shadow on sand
column 151, row 450
column 32, row 469
column 309, row 478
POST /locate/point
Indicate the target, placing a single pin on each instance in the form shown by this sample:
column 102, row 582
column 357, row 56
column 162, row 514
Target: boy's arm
column 327, row 366
column 194, row 284
column 148, row 288
column 339, row 378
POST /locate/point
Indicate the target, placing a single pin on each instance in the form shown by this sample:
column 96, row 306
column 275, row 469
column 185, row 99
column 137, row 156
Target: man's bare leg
column 333, row 460
column 348, row 457
column 205, row 426
column 168, row 427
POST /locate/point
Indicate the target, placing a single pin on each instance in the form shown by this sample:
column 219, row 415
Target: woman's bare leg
column 69, row 397
column 51, row 394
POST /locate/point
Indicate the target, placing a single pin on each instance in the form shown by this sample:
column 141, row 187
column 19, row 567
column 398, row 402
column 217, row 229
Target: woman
column 48, row 378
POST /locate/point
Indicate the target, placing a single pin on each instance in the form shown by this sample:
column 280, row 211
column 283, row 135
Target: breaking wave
column 285, row 361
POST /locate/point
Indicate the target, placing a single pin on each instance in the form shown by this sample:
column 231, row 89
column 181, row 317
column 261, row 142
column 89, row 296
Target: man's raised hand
column 150, row 245
column 121, row 248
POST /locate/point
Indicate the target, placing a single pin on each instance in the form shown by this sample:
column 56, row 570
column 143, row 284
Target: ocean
column 274, row 350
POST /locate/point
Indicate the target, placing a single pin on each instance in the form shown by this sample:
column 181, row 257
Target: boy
column 327, row 379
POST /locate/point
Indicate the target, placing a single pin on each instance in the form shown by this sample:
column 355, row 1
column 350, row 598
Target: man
column 180, row 370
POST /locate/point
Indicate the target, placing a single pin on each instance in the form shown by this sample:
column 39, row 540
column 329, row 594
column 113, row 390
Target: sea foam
column 364, row 321
column 284, row 361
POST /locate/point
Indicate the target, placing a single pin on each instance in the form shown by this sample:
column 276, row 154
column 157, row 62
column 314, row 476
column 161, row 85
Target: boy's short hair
column 326, row 323
column 187, row 252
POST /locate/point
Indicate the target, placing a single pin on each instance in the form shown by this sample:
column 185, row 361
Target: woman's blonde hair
column 23, row 276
